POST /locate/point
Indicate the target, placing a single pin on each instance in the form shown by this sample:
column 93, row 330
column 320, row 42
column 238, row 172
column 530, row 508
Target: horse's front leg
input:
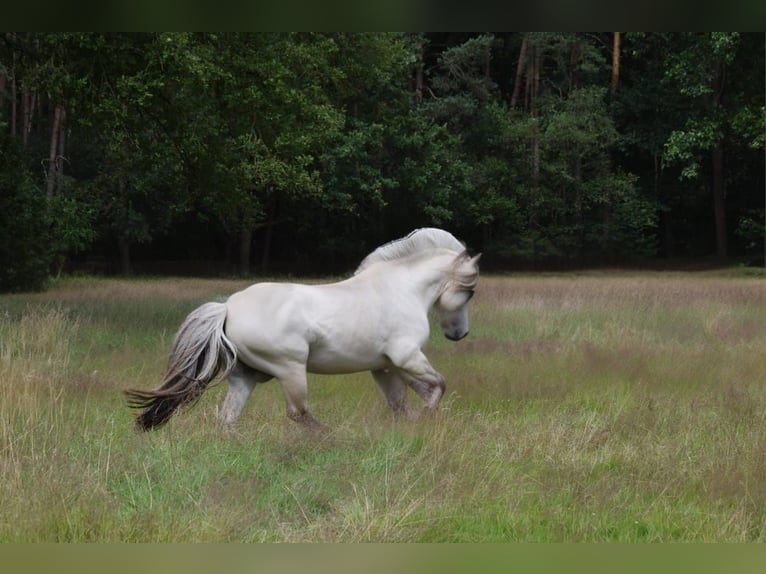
column 430, row 387
column 426, row 381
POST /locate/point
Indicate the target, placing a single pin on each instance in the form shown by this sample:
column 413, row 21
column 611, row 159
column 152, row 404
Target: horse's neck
column 426, row 276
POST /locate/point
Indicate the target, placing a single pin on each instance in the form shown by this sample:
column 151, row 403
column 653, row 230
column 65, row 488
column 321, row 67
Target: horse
column 377, row 320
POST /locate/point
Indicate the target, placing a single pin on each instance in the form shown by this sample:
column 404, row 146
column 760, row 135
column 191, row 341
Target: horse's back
column 332, row 328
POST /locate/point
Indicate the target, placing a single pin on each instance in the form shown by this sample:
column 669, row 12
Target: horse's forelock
column 464, row 279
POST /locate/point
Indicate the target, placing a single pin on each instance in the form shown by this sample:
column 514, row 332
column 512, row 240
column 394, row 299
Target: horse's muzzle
column 452, row 337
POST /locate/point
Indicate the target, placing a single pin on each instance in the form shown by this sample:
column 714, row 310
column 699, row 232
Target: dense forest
column 223, row 153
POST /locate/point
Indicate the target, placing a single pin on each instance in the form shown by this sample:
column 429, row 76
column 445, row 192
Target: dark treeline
column 245, row 153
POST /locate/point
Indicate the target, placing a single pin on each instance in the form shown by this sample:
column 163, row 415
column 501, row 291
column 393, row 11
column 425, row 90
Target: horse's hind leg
column 242, row 381
column 295, row 388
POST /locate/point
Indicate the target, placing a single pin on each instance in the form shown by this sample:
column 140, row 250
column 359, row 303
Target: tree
column 538, row 175
column 50, row 74
column 361, row 172
column 273, row 119
column 145, row 114
column 25, row 254
column 703, row 69
column 466, row 103
column 534, row 147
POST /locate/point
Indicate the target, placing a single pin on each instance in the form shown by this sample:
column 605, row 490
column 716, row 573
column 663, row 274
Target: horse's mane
column 419, row 240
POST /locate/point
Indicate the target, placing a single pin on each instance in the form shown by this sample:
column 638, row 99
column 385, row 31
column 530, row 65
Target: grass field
column 593, row 407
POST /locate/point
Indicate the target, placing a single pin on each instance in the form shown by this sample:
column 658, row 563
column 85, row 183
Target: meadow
column 582, row 407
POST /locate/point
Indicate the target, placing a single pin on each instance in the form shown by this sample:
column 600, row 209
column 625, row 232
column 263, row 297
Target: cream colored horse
column 376, row 320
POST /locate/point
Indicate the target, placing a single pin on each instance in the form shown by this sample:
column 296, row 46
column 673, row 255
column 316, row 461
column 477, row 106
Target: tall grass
column 581, row 408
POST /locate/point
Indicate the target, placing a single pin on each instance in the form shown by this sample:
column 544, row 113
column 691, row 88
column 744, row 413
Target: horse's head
column 452, row 304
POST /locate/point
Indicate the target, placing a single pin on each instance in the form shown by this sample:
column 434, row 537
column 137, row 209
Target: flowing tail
column 201, row 352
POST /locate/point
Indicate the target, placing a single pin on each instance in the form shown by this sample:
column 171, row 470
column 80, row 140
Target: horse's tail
column 201, row 352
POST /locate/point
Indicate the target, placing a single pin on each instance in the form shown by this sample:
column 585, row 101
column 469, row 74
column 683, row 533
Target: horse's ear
column 475, row 259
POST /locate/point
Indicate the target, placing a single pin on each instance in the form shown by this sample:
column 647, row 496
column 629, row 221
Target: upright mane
column 419, row 240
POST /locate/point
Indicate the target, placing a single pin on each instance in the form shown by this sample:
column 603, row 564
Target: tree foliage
column 308, row 149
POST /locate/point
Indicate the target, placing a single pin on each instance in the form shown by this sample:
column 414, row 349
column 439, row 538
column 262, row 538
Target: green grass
column 597, row 407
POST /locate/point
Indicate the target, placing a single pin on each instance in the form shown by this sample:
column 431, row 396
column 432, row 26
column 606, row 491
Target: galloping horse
column 376, row 320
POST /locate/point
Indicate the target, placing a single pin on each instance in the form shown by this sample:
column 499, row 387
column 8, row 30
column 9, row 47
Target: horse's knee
column 429, row 387
column 437, row 387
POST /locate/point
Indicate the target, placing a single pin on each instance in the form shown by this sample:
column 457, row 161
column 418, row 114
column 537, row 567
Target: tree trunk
column 123, row 244
column 535, row 75
column 538, row 64
column 488, row 64
column 419, row 75
column 3, row 80
column 719, row 201
column 719, row 192
column 14, row 106
column 30, row 103
column 615, row 64
column 519, row 71
column 579, row 208
column 26, row 116
column 486, row 236
column 266, row 255
column 666, row 215
column 52, row 157
column 228, row 250
column 606, row 212
column 245, row 240
column 62, row 142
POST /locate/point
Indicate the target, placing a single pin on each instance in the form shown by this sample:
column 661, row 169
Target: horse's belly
column 331, row 362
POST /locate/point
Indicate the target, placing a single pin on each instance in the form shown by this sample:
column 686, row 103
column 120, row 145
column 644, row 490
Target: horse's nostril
column 453, row 337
